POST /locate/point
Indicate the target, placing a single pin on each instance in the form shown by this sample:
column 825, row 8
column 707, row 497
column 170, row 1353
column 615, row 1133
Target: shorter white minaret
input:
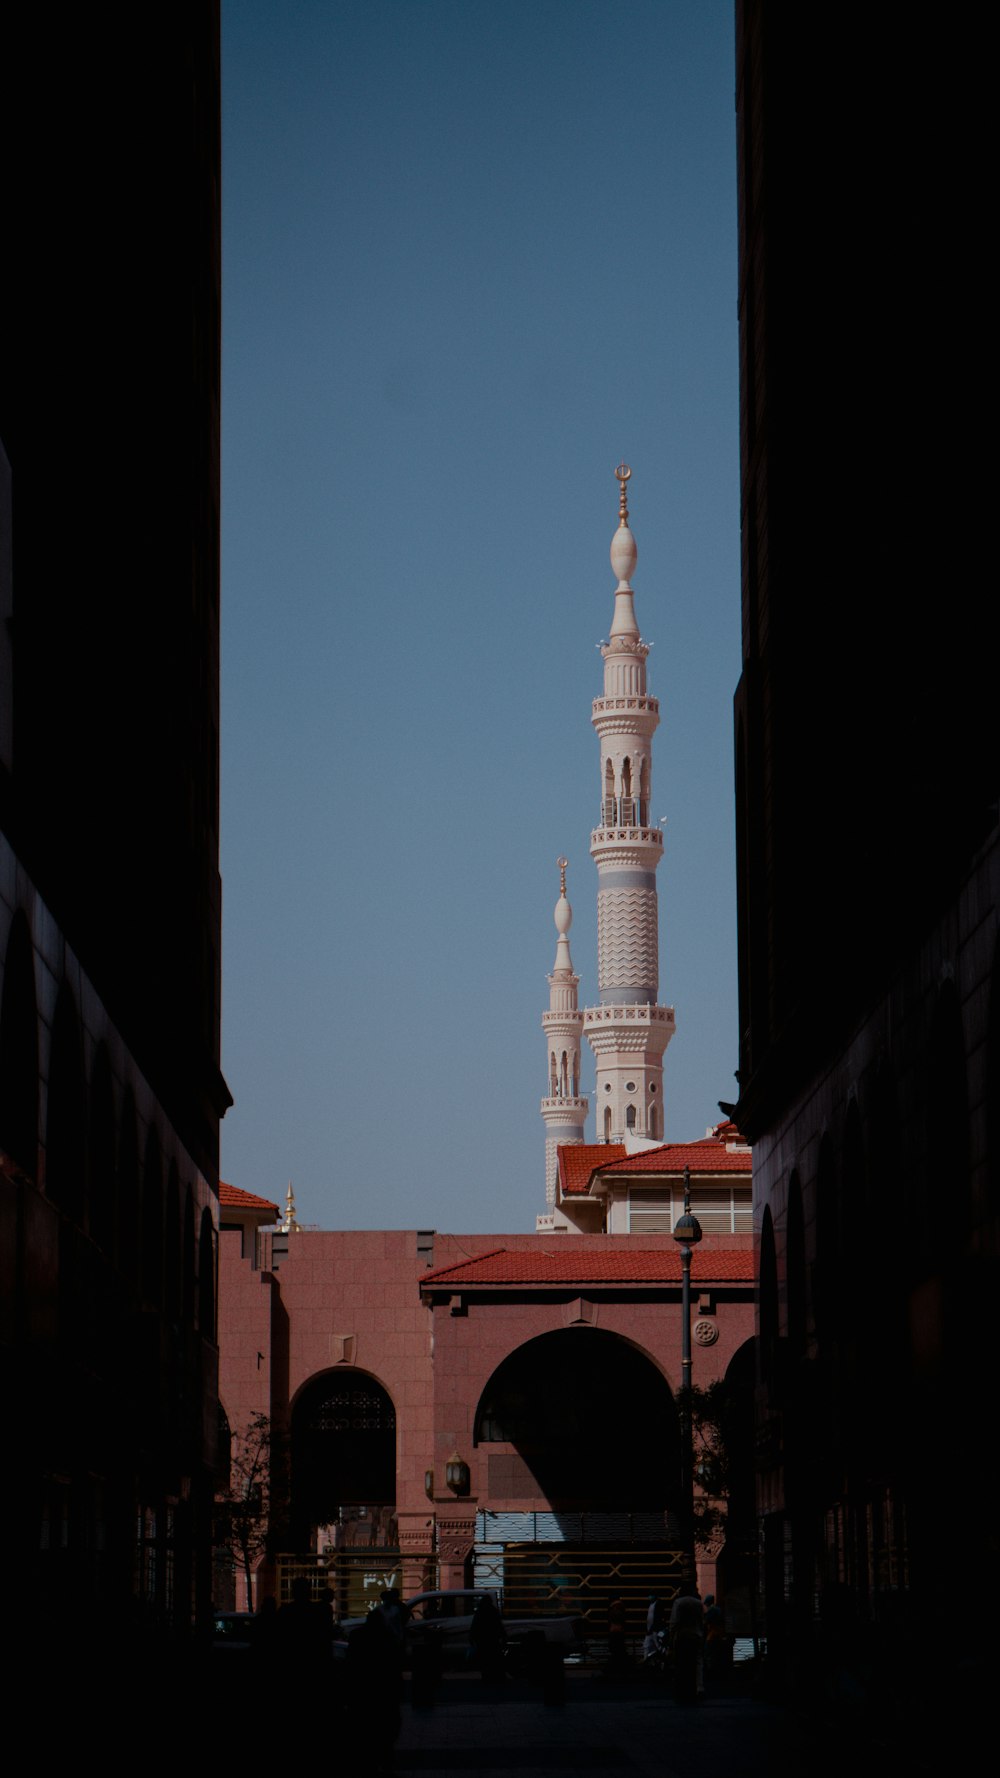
column 564, row 1111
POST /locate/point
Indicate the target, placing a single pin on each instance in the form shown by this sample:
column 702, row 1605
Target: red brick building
column 498, row 1407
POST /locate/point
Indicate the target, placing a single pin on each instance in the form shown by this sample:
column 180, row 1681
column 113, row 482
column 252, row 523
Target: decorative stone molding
column 417, row 1543
column 579, row 1313
column 342, row 1348
column 456, row 1538
column 705, row 1332
column 641, row 846
column 601, row 706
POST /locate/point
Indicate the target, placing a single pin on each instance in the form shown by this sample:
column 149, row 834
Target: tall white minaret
column 564, row 1111
column 629, row 1031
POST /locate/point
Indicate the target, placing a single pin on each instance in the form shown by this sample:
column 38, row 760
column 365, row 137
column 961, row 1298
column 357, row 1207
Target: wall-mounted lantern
column 457, row 1474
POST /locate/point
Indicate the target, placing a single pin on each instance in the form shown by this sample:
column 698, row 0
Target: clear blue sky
column 474, row 252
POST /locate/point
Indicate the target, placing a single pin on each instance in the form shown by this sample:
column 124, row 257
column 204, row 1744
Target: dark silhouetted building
column 868, row 773
column 110, row 1089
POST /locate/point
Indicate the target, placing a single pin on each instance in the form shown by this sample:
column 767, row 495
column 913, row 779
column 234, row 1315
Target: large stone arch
column 343, row 1459
column 583, row 1419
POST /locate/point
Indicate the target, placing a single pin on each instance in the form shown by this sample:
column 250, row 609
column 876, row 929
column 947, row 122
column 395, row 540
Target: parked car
column 445, row 1614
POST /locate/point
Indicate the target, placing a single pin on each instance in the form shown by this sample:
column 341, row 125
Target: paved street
column 620, row 1731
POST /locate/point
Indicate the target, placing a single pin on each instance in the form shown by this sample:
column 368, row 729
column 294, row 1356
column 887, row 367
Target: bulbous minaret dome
column 563, row 1109
column 629, row 1031
column 624, row 556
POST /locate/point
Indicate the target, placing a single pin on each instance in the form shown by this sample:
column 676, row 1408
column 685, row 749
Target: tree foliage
column 711, row 1413
column 243, row 1509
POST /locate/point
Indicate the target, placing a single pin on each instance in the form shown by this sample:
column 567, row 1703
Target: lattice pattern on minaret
column 627, row 940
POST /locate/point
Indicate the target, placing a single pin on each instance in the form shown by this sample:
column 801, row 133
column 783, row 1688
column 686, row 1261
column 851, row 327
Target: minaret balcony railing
column 604, row 706
column 647, row 836
column 578, row 1106
column 639, row 1014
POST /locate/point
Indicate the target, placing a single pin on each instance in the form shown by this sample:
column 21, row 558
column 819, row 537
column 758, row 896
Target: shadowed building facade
column 110, row 1090
column 868, row 856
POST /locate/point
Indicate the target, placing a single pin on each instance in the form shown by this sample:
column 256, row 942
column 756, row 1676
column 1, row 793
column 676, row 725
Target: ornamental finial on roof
column 289, row 1222
column 622, row 472
column 562, row 865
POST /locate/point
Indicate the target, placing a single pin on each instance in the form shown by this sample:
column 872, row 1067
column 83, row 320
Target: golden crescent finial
column 562, row 863
column 623, row 473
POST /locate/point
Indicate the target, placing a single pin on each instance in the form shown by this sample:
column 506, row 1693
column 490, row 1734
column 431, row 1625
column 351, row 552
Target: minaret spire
column 563, row 1110
column 289, row 1222
column 629, row 1031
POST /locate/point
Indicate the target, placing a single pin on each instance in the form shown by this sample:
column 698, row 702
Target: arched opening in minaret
column 553, row 1076
column 588, row 1422
column 627, row 811
column 343, row 1462
column 644, row 794
column 608, row 816
column 607, row 1123
column 630, row 1117
column 576, row 1075
column 563, row 1076
column 652, row 1120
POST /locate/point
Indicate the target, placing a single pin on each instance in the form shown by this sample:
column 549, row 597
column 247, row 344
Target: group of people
column 688, row 1635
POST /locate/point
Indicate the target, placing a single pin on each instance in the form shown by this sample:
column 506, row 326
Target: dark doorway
column 344, row 1459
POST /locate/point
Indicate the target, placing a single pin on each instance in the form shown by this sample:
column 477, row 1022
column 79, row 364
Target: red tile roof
column 233, row 1197
column 632, row 1265
column 577, row 1161
column 706, row 1156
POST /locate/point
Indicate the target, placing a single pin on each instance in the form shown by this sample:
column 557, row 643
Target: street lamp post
column 687, row 1234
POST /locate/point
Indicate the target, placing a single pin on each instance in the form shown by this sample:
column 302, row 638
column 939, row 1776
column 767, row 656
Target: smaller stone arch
column 343, row 1459
column 608, row 810
column 627, row 809
column 644, row 792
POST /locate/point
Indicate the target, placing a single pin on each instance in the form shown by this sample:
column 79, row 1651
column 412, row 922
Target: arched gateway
column 578, row 1441
column 583, row 1420
column 343, row 1463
